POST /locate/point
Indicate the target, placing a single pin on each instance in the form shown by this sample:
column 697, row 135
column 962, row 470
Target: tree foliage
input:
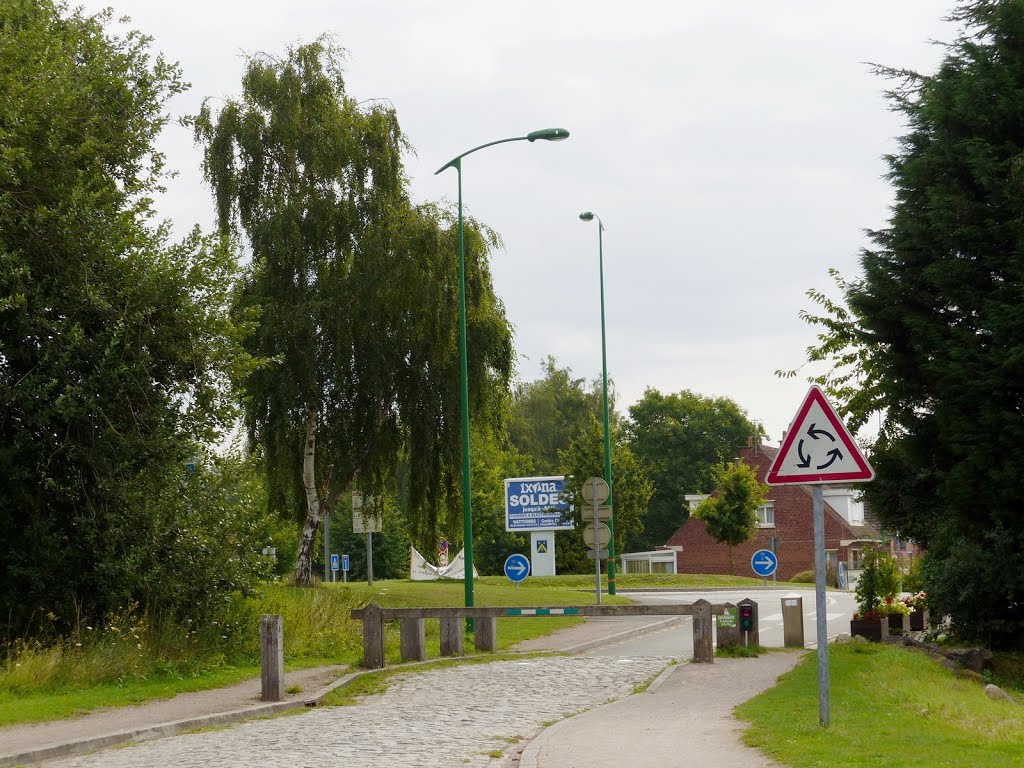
column 730, row 514
column 356, row 292
column 936, row 326
column 550, row 412
column 115, row 344
column 679, row 439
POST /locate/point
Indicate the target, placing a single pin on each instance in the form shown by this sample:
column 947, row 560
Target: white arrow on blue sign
column 517, row 568
column 764, row 562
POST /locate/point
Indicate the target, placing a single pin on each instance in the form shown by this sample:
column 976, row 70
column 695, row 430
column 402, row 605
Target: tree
column 115, row 345
column 936, row 321
column 730, row 515
column 631, row 490
column 356, row 293
column 550, row 412
column 679, row 438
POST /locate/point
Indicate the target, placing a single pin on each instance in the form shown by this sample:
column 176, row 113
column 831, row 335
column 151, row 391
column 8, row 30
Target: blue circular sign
column 517, row 568
column 764, row 562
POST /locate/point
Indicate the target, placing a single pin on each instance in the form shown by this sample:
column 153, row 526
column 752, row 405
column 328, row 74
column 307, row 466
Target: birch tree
column 356, row 295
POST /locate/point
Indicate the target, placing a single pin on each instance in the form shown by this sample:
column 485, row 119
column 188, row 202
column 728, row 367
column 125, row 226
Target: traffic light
column 746, row 617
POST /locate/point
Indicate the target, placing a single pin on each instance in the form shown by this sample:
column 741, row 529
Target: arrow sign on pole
column 818, row 448
column 764, row 562
column 517, row 568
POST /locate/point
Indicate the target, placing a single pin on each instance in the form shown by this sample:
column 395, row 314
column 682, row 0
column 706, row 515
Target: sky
column 734, row 151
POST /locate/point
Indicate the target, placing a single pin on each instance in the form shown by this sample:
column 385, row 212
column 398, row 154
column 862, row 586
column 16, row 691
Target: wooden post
column 272, row 657
column 373, row 637
column 413, row 639
column 451, row 637
column 727, row 626
column 703, row 647
column 753, row 637
column 487, row 634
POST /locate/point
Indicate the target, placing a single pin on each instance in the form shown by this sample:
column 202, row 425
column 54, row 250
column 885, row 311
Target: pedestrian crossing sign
column 542, row 546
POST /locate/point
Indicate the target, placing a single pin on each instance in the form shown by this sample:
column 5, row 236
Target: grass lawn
column 889, row 706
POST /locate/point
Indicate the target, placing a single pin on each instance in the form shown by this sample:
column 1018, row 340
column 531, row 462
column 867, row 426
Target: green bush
column 913, row 579
column 879, row 579
column 807, row 577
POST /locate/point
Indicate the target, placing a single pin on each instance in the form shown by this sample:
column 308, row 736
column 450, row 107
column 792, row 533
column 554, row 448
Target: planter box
column 870, row 629
column 899, row 622
column 919, row 620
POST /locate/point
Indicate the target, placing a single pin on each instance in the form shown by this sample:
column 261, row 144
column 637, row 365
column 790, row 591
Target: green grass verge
column 889, row 706
column 38, row 706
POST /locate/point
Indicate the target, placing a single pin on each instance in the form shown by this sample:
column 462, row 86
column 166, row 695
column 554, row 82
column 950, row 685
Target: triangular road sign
column 818, row 448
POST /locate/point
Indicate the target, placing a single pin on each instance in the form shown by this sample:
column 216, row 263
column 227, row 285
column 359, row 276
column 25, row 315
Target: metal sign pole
column 369, row 558
column 597, row 541
column 819, row 604
column 327, row 543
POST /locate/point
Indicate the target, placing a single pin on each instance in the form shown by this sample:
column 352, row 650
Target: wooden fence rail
column 413, row 645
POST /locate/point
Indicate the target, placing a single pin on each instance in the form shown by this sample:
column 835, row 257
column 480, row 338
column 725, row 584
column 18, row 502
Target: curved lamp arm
column 547, row 134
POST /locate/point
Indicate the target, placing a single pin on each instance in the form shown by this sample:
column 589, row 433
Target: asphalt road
column 677, row 640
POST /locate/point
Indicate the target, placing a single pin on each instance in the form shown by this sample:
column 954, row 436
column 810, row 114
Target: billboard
column 536, row 504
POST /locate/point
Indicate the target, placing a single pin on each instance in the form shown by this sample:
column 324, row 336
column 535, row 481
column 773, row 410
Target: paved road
column 471, row 715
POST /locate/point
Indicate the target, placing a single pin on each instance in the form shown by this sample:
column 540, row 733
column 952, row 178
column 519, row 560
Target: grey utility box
column 793, row 621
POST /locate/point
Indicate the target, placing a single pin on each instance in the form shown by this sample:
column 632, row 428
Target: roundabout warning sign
column 818, row 448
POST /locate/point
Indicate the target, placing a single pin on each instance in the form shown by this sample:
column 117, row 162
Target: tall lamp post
column 547, row 134
column 590, row 216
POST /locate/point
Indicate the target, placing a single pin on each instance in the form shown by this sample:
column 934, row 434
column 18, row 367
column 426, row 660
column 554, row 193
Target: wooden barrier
column 413, row 640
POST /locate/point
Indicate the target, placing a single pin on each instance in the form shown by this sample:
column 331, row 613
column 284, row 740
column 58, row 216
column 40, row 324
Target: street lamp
column 547, row 134
column 590, row 216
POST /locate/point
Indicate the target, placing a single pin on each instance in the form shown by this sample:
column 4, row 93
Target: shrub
column 879, row 580
column 803, row 577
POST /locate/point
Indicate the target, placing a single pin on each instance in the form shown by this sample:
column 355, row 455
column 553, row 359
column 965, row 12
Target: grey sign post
column 819, row 449
column 366, row 518
column 595, row 491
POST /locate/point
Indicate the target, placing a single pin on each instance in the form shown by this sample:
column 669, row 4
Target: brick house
column 788, row 517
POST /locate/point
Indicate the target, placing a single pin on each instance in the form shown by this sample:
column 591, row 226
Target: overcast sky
column 734, row 151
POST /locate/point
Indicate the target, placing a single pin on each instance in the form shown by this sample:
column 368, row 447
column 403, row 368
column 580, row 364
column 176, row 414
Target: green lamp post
column 590, row 216
column 547, row 134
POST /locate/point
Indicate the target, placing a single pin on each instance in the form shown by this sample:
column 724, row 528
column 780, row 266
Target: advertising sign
column 536, row 504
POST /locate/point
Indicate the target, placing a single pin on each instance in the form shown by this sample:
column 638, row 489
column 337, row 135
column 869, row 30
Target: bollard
column 373, row 637
column 413, row 639
column 271, row 657
column 451, row 636
column 486, row 636
column 727, row 627
column 703, row 646
column 793, row 621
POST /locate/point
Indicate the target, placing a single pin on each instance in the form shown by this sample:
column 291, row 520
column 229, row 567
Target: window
column 855, row 560
column 766, row 515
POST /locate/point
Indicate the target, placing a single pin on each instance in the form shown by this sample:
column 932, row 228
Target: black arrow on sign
column 815, row 432
column 836, row 456
column 805, row 461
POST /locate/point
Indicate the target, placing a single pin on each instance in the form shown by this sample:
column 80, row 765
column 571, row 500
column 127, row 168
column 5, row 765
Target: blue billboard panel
column 537, row 504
